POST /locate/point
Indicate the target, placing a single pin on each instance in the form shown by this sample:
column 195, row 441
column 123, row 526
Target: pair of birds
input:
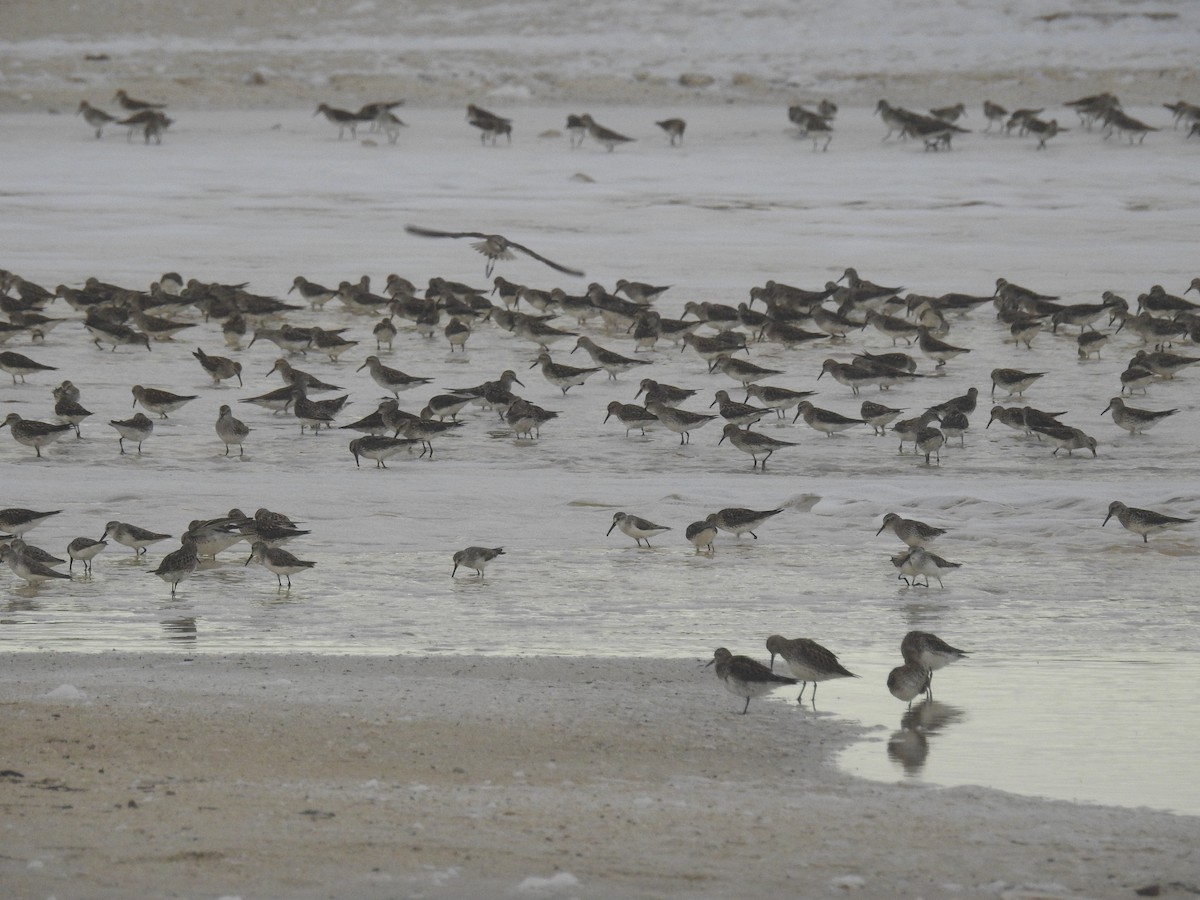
column 916, row 560
column 736, row 520
column 811, row 662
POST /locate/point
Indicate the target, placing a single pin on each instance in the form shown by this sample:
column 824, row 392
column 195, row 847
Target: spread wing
column 430, row 232
column 551, row 263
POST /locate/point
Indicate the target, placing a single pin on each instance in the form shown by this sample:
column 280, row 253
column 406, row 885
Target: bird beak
column 360, row 368
column 710, row 662
column 610, row 528
column 606, row 418
column 1106, row 518
column 880, row 531
column 534, row 366
column 1106, row 409
column 455, row 569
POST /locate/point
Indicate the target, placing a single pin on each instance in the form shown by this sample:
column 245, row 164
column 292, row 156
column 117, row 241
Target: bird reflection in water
column 909, row 746
column 181, row 629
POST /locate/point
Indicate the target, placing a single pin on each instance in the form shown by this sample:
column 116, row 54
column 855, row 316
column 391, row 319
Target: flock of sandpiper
column 721, row 335
column 810, row 662
column 935, row 129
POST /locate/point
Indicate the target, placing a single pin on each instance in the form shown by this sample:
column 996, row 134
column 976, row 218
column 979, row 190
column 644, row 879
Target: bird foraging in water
column 475, row 558
column 808, row 661
column 493, row 246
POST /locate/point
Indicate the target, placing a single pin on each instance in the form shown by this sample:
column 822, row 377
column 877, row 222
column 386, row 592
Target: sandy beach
column 430, row 775
column 325, row 776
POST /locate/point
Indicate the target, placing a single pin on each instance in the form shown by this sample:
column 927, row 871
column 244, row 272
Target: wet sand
column 358, row 777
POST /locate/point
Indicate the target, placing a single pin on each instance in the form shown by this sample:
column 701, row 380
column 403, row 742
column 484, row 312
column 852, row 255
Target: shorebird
column 631, row 416
column 639, row 291
column 738, row 520
column 231, row 430
column 807, row 660
column 18, row 364
column 178, row 564
column 1064, row 437
column 25, row 567
column 84, row 549
column 219, row 368
column 878, row 416
column 908, row 681
column 674, row 129
column 390, row 379
column 35, row 434
column 701, row 535
column 824, row 420
column 913, row 532
column 378, row 447
column 152, row 122
column 937, row 349
column 1133, row 420
column 475, row 558
column 493, row 246
column 316, row 295
column 929, row 652
column 342, row 118
column 737, row 413
column 159, row 401
column 663, row 393
column 1014, row 381
column 611, row 362
column 930, row 441
column 562, row 376
column 136, row 429
column 918, row 561
column 742, row 371
column 602, row 135
column 754, row 443
column 96, row 118
column 636, row 527
column 278, row 561
column 745, row 677
column 16, row 521
column 132, row 536
column 994, row 113
column 133, row 104
column 680, row 421
column 777, row 398
column 1142, row 521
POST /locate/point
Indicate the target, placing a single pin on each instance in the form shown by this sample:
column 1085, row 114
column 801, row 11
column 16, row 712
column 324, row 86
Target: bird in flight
column 493, row 246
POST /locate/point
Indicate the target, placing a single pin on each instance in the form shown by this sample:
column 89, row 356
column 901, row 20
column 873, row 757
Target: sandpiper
column 753, row 442
column 640, row 291
column 493, row 246
column 742, row 371
column 631, row 416
column 132, row 536
column 674, row 129
column 893, row 327
column 1163, row 364
column 955, row 425
column 35, row 434
column 136, row 429
column 316, row 295
column 745, row 677
column 918, row 561
column 527, row 418
column 602, row 135
column 294, row 377
column 27, row 568
column 994, row 113
column 739, row 520
column 702, row 534
column 18, row 364
column 964, row 403
column 1065, row 437
column 390, row 379
column 378, row 447
column 825, row 420
column 668, row 394
column 230, row 430
column 152, row 123
column 331, row 343
column 929, row 652
column 613, row 363
column 133, row 104
column 636, row 527
column 1014, row 381
column 937, row 349
column 1133, row 420
column 848, row 374
column 930, row 441
column 342, row 118
column 1090, row 342
column 680, row 421
column 219, row 368
column 1142, row 521
column 576, row 129
column 278, row 561
column 475, row 558
column 878, row 416
column 84, row 549
column 807, row 660
column 737, row 413
column 17, row 521
column 912, row 531
column 159, row 401
column 908, row 681
column 443, row 405
column 779, row 399
column 178, row 564
column 424, row 431
column 562, row 376
column 95, row 117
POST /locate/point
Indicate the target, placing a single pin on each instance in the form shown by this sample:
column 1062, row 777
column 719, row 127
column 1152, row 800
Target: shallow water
column 1083, row 639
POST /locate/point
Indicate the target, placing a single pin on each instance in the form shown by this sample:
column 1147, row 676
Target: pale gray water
column 1083, row 640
